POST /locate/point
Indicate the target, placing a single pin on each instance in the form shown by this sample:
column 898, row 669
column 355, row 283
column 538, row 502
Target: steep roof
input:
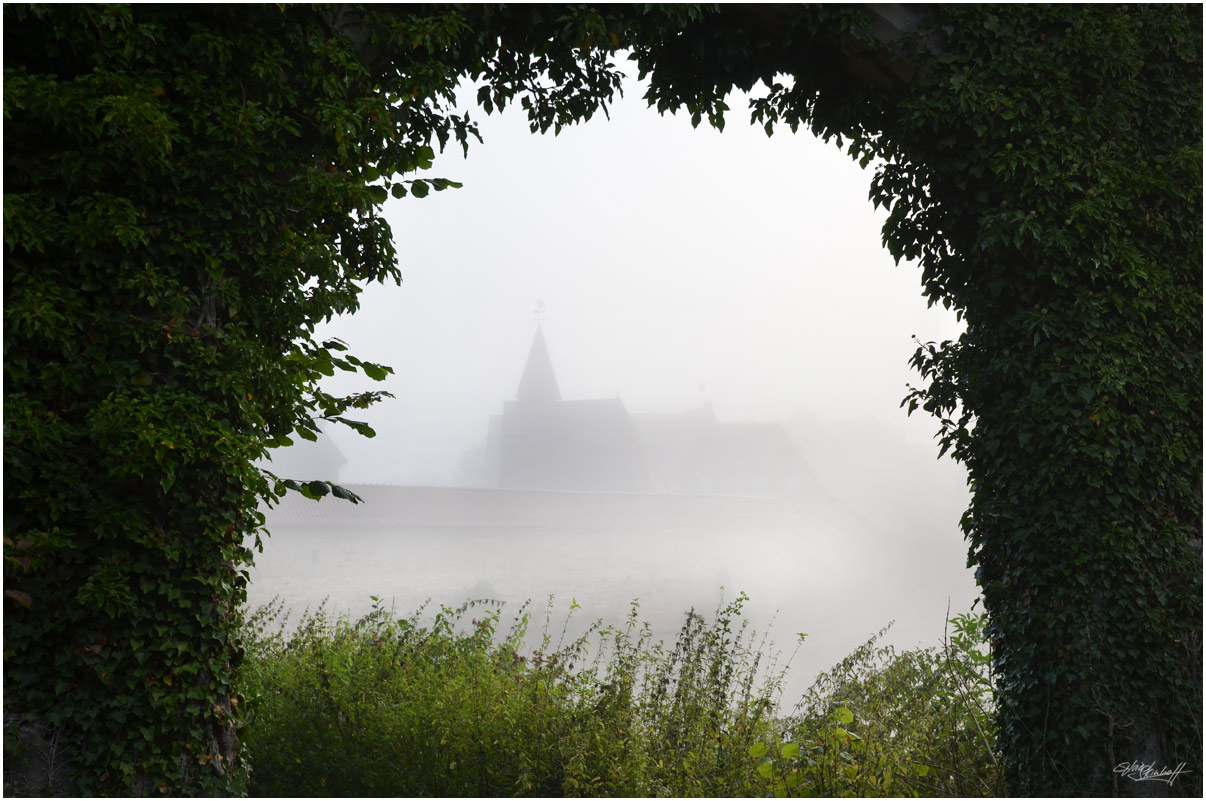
column 538, row 383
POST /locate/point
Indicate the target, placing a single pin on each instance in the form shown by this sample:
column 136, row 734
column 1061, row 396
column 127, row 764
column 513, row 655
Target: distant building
column 541, row 442
column 578, row 494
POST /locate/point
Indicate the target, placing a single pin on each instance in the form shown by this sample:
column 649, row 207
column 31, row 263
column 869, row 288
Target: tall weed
column 886, row 723
column 384, row 706
column 457, row 707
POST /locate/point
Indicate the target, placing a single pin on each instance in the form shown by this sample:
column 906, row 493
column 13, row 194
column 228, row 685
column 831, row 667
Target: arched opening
column 679, row 268
column 187, row 193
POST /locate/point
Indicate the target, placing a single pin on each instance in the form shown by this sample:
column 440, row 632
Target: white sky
column 675, row 266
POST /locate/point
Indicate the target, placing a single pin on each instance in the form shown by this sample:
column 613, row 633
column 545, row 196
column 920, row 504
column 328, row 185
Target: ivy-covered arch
column 188, row 190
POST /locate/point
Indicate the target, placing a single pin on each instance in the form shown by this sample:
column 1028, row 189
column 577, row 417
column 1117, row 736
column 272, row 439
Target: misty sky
column 676, row 266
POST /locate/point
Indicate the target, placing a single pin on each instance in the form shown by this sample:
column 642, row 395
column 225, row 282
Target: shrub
column 381, row 706
column 882, row 723
column 385, row 706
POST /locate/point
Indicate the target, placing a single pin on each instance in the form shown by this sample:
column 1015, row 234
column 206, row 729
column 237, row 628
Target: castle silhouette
column 579, row 465
column 542, row 442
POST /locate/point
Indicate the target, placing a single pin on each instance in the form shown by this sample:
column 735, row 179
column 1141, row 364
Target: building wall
column 587, row 446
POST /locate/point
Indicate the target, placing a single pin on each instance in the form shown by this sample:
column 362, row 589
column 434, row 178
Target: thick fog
column 728, row 276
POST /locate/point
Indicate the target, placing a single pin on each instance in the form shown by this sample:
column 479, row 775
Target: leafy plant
column 883, row 723
column 384, row 706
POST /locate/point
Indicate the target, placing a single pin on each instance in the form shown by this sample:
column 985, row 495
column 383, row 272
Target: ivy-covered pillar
column 1048, row 177
column 1043, row 164
column 172, row 231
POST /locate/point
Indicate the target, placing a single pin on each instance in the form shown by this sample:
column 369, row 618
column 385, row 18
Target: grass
column 458, row 707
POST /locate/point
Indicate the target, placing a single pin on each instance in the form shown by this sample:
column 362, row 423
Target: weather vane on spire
column 540, row 312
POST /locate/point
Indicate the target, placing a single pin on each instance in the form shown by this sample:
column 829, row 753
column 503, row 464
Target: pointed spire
column 539, row 383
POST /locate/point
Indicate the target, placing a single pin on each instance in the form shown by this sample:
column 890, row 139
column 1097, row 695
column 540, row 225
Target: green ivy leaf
column 376, row 372
column 315, row 489
column 345, row 494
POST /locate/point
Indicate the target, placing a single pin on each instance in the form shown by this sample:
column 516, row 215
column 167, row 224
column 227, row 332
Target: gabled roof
column 538, row 383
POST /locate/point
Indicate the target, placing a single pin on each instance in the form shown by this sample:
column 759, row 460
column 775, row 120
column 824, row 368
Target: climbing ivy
column 189, row 190
column 1047, row 175
column 184, row 199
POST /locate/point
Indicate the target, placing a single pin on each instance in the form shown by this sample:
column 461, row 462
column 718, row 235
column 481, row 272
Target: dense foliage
column 1043, row 164
column 182, row 203
column 888, row 723
column 1060, row 212
column 189, row 190
column 382, row 706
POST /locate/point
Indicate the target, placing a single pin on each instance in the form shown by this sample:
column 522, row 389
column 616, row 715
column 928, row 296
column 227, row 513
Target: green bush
column 381, row 706
column 455, row 707
column 882, row 723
